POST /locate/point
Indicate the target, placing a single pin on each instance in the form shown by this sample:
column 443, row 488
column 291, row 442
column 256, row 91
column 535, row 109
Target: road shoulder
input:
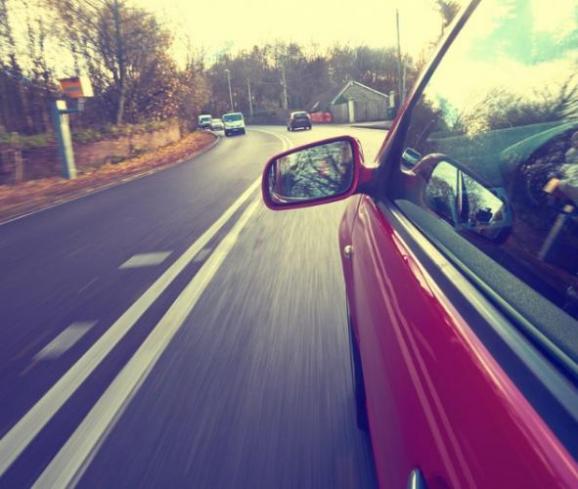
column 37, row 195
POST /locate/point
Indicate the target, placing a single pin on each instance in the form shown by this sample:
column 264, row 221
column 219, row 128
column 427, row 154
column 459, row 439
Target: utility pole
column 228, row 73
column 284, row 83
column 60, row 112
column 250, row 97
column 400, row 75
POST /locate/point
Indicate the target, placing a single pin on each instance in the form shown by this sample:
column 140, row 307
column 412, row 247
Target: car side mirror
column 317, row 173
column 466, row 203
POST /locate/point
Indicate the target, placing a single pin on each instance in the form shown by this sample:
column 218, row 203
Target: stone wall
column 31, row 164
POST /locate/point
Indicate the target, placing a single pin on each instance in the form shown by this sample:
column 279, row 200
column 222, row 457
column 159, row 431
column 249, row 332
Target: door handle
column 416, row 480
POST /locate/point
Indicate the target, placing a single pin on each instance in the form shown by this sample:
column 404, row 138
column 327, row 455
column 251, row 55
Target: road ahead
column 173, row 332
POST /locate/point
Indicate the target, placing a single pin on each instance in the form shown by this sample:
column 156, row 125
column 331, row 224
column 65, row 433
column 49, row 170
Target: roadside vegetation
column 125, row 52
column 36, row 194
column 139, row 87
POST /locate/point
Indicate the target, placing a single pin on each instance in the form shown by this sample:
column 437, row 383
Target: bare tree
column 447, row 10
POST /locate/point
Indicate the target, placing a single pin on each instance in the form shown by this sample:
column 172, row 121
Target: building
column 355, row 102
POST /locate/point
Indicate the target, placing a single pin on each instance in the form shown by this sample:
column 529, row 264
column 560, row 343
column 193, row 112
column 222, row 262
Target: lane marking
column 65, row 340
column 84, row 287
column 25, row 430
column 202, row 255
column 287, row 143
column 146, row 260
column 67, row 467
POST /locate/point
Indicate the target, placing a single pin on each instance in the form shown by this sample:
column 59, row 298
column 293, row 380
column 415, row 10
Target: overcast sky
column 239, row 24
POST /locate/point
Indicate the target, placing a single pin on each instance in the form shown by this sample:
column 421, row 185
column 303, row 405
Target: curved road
column 173, row 332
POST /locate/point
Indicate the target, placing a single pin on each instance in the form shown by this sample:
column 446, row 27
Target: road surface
column 173, row 332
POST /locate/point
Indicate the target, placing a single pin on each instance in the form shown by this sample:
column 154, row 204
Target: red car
column 460, row 257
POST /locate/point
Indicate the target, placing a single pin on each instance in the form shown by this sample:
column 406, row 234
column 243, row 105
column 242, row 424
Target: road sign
column 76, row 87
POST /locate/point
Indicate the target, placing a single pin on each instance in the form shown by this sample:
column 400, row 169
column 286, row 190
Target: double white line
column 68, row 465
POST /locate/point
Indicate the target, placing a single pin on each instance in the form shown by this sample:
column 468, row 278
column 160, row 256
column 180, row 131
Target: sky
column 235, row 25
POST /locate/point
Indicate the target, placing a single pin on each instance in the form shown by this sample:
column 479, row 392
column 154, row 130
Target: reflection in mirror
column 441, row 192
column 312, row 173
column 466, row 204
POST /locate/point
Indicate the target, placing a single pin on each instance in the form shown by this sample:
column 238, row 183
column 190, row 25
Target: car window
column 233, row 117
column 496, row 135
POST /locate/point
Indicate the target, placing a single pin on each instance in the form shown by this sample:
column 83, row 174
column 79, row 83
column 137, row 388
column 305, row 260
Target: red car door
column 437, row 400
column 465, row 335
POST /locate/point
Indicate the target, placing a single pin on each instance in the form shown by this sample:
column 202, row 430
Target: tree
column 124, row 50
column 193, row 93
column 25, row 78
column 447, row 9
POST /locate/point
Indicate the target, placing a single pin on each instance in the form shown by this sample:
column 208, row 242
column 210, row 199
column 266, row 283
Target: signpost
column 76, row 88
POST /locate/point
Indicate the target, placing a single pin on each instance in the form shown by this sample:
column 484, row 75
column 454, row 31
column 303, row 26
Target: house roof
column 323, row 101
column 360, row 85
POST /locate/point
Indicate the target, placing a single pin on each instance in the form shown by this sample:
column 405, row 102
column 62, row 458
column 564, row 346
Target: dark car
column 459, row 249
column 299, row 120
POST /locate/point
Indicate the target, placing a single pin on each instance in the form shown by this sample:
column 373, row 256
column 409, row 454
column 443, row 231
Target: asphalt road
column 173, row 332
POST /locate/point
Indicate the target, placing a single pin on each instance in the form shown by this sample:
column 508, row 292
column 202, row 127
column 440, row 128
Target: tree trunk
column 120, row 61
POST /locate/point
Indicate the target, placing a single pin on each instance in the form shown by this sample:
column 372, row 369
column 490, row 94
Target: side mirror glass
column 466, row 203
column 320, row 172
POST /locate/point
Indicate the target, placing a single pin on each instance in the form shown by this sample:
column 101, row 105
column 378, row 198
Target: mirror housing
column 467, row 201
column 317, row 173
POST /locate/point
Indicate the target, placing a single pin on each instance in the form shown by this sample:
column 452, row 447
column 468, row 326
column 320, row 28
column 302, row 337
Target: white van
column 234, row 123
column 204, row 121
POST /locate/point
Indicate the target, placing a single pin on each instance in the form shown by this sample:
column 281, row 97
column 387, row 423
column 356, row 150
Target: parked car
column 217, row 125
column 299, row 119
column 234, row 123
column 204, row 121
column 459, row 251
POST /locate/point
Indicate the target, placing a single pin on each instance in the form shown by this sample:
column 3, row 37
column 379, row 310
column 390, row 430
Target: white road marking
column 202, row 255
column 84, row 287
column 65, row 340
column 145, row 260
column 23, row 432
column 287, row 143
column 70, row 462
column 13, row 443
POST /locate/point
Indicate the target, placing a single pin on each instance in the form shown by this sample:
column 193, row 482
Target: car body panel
column 463, row 427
